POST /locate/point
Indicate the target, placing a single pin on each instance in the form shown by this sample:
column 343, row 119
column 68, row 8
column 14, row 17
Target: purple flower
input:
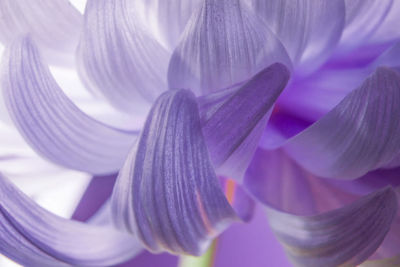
column 214, row 108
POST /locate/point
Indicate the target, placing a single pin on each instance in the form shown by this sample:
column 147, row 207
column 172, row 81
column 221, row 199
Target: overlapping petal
column 167, row 193
column 308, row 29
column 167, row 18
column 223, row 44
column 54, row 24
column 360, row 134
column 33, row 236
column 51, row 123
column 119, row 57
column 345, row 237
column 363, row 18
column 233, row 124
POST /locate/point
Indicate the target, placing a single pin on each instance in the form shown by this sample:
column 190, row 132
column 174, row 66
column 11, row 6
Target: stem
column 206, row 260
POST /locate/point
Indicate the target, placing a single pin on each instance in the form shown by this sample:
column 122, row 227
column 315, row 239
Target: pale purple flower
column 208, row 113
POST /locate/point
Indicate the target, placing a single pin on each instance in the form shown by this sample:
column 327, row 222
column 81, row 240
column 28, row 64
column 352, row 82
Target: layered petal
column 363, row 18
column 51, row 123
column 118, row 57
column 360, row 134
column 223, row 37
column 345, row 237
column 308, row 29
column 33, row 236
column 234, row 123
column 167, row 193
column 167, row 18
column 54, row 24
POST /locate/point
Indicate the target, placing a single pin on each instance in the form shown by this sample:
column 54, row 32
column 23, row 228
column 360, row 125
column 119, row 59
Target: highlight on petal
column 54, row 24
column 32, row 236
column 167, row 193
column 363, row 18
column 52, row 125
column 117, row 57
column 233, row 125
column 227, row 38
column 308, row 29
column 360, row 134
column 167, row 18
column 342, row 237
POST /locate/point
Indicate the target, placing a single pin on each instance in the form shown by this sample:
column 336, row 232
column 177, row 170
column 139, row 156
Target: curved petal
column 33, row 236
column 232, row 127
column 308, row 29
column 345, row 237
column 51, row 123
column 118, row 57
column 277, row 181
column 167, row 193
column 54, row 24
column 223, row 37
column 360, row 134
column 167, row 18
column 363, row 18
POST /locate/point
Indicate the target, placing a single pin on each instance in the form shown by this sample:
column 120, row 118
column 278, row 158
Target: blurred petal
column 167, row 18
column 33, row 236
column 250, row 244
column 51, row 123
column 54, row 24
column 233, row 126
column 223, row 37
column 118, row 57
column 346, row 236
column 167, row 193
column 390, row 58
column 391, row 262
column 388, row 30
column 363, row 18
column 360, row 134
column 308, row 29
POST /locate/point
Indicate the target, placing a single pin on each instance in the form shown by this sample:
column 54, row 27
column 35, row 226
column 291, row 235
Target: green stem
column 206, row 260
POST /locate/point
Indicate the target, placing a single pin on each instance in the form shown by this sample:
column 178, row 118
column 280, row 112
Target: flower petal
column 363, row 18
column 118, row 57
column 345, row 237
column 51, row 123
column 360, row 134
column 232, row 127
column 308, row 29
column 33, row 236
column 54, row 24
column 167, row 18
column 167, row 193
column 224, row 37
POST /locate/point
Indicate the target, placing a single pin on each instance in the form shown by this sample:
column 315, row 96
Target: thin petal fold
column 48, row 120
column 167, row 193
column 360, row 134
column 227, row 38
column 32, row 236
column 167, row 18
column 233, row 124
column 54, row 24
column 308, row 29
column 342, row 237
column 119, row 58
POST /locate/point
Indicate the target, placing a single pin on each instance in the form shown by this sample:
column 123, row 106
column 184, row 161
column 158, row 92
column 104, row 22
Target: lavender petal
column 308, row 29
column 346, row 236
column 32, row 236
column 119, row 58
column 224, row 37
column 167, row 193
column 51, row 123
